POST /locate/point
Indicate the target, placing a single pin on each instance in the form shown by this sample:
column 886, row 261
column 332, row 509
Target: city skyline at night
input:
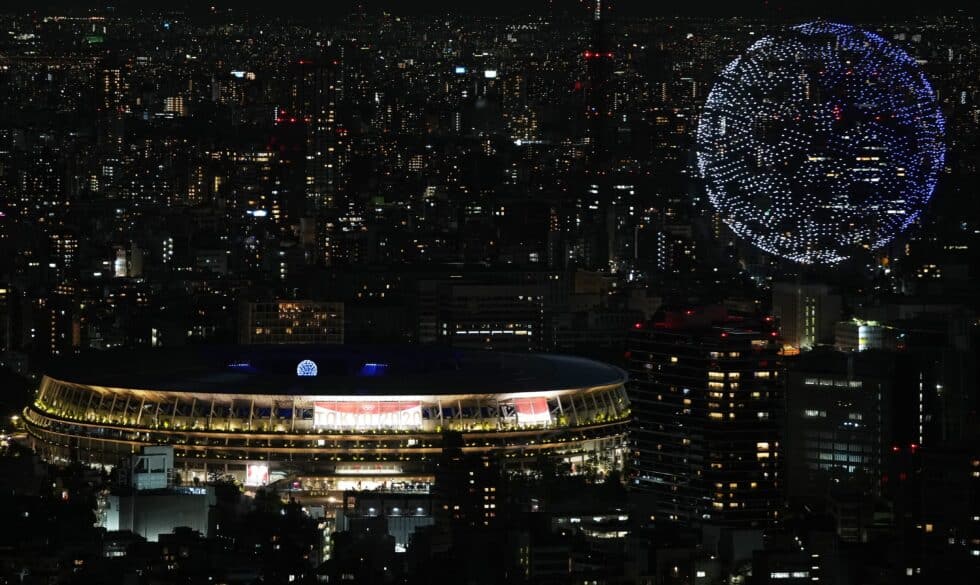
column 551, row 292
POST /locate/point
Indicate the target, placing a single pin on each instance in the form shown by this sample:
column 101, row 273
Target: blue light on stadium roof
column 241, row 367
column 306, row 368
column 373, row 369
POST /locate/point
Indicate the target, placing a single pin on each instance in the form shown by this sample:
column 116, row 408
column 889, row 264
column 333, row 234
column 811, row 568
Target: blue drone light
column 820, row 142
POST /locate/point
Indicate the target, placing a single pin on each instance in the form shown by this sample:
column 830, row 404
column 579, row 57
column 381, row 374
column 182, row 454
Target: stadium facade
column 349, row 416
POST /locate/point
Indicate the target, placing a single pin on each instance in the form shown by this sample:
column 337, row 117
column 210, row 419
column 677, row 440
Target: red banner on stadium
column 532, row 410
column 345, row 414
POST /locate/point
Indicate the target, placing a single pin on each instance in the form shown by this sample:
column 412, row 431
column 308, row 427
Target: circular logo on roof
column 306, row 368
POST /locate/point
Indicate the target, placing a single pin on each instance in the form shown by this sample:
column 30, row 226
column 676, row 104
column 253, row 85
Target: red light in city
column 587, row 54
column 895, row 449
column 638, row 326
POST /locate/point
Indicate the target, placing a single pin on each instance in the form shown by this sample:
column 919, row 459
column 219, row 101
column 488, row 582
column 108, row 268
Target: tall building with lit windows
column 291, row 322
column 807, row 313
column 706, row 391
column 315, row 92
column 840, row 418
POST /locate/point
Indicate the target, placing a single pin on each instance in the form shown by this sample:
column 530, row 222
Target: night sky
column 865, row 9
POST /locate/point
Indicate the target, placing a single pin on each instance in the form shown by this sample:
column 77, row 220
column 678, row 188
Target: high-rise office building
column 593, row 216
column 706, row 390
column 175, row 106
column 316, row 91
column 291, row 322
column 505, row 317
column 859, row 335
column 839, row 419
column 807, row 313
column 465, row 486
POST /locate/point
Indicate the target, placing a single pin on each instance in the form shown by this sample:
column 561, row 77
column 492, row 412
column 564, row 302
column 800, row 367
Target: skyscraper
column 807, row 313
column 593, row 215
column 839, row 414
column 316, row 91
column 706, row 389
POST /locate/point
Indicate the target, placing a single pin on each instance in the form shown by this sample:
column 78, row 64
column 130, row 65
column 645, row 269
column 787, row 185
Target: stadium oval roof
column 325, row 370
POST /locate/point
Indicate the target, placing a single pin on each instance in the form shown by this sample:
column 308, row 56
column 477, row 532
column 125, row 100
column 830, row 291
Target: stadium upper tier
column 314, row 403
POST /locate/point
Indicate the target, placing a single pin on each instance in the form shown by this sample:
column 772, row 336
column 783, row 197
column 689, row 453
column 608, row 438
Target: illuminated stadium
column 352, row 417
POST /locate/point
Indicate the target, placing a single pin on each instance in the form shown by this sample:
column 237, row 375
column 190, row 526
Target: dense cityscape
column 562, row 293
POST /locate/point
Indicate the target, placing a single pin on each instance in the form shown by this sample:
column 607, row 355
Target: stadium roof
column 339, row 370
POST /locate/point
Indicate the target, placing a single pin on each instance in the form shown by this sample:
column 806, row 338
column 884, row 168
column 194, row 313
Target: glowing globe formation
column 820, row 142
